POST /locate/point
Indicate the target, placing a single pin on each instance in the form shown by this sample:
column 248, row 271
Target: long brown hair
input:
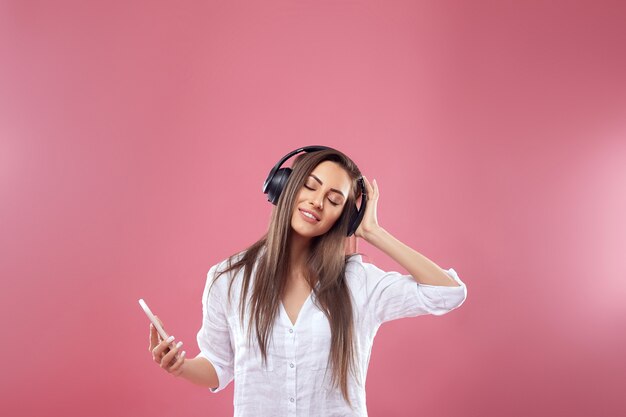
column 325, row 265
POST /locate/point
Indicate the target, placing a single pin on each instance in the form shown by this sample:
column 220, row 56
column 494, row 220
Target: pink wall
column 135, row 138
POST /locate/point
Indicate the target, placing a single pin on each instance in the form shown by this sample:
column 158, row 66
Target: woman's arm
column 200, row 372
column 420, row 267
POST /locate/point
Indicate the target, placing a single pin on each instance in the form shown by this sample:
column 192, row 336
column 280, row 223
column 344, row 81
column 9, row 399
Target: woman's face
column 324, row 195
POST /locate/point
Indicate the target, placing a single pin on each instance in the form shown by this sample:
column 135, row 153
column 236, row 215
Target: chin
column 301, row 233
column 308, row 234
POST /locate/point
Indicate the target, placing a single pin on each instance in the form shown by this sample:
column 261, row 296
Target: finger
column 165, row 345
column 160, row 349
column 179, row 362
column 168, row 359
column 154, row 337
column 370, row 188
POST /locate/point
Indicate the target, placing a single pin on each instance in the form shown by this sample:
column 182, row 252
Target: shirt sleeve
column 214, row 336
column 393, row 295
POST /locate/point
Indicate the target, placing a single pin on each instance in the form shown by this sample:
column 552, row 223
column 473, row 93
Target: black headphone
column 277, row 179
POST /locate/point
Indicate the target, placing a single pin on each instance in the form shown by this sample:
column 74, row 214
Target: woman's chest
column 293, row 299
column 299, row 341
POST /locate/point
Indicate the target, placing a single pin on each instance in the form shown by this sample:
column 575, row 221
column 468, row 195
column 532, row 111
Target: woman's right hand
column 164, row 353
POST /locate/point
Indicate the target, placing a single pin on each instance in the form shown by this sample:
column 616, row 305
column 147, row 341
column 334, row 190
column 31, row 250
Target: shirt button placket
column 290, row 344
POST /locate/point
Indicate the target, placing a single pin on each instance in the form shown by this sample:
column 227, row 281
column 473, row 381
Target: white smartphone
column 153, row 319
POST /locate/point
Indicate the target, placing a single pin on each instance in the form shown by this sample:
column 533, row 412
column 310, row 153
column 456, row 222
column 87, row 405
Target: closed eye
column 331, row 201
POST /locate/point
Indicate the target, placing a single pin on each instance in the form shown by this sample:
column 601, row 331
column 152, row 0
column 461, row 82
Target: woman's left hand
column 369, row 222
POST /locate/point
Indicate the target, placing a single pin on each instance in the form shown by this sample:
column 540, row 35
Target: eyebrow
column 332, row 189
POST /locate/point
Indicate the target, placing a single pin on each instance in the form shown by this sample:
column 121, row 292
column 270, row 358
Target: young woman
column 310, row 309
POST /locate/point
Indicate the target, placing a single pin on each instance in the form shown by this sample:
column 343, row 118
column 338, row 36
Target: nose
column 317, row 202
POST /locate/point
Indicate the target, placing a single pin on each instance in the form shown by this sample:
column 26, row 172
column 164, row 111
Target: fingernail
column 182, row 354
column 179, row 344
column 170, row 339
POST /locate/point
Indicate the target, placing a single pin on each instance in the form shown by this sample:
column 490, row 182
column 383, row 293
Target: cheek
column 337, row 214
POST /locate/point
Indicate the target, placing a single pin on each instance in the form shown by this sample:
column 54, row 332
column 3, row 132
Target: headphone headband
column 311, row 148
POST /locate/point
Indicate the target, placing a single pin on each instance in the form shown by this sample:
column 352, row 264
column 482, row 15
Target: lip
column 308, row 219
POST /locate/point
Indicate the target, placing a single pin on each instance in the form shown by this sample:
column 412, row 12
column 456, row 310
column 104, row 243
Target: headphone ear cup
column 357, row 213
column 354, row 212
column 277, row 184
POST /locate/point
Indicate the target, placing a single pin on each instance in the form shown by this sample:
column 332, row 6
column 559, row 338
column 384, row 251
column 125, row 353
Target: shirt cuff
column 450, row 297
column 224, row 376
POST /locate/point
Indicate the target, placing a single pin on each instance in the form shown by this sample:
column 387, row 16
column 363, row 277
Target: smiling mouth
column 308, row 216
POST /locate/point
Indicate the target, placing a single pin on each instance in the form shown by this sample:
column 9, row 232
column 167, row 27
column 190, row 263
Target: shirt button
column 290, row 330
column 291, row 365
column 291, row 399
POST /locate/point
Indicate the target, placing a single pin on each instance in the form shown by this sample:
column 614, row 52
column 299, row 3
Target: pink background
column 135, row 138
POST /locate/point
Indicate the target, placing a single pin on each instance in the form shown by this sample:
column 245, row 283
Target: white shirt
column 292, row 383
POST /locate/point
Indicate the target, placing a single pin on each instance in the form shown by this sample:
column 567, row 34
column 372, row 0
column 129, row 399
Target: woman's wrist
column 198, row 371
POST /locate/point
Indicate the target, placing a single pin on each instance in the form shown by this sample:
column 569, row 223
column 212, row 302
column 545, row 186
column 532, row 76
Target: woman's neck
column 299, row 252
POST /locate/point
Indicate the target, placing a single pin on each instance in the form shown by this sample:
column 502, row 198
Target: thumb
column 154, row 337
